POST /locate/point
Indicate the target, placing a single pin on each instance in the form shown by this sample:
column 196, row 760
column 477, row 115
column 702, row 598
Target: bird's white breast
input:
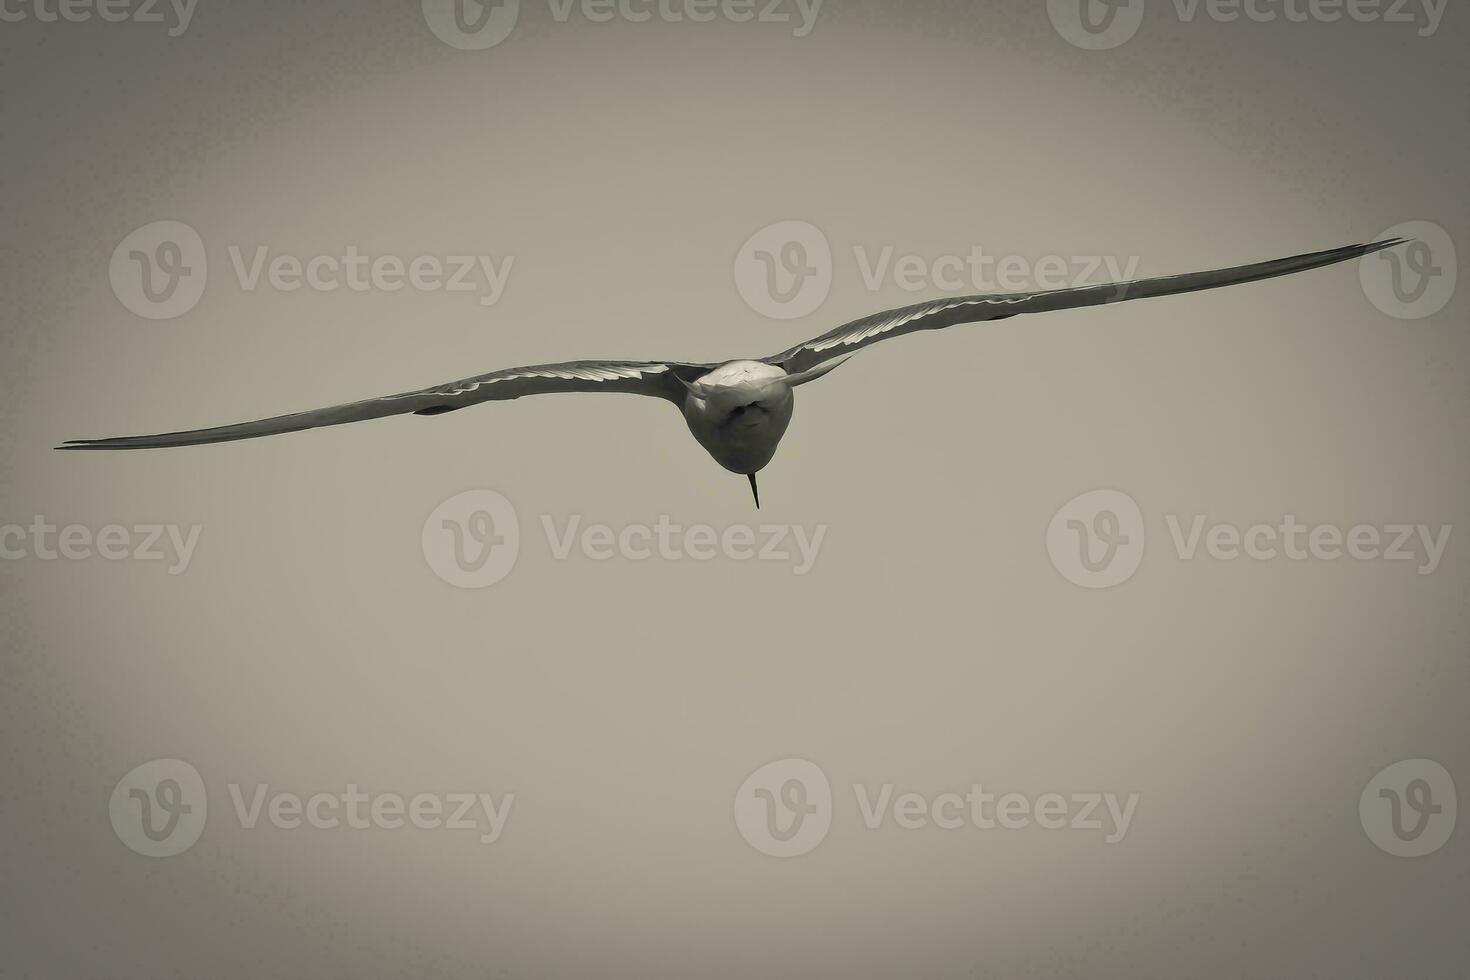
column 739, row 412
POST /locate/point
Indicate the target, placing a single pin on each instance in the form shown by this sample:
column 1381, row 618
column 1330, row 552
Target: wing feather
column 936, row 314
column 657, row 378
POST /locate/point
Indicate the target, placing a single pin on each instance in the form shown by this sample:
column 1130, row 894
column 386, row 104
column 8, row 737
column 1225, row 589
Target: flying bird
column 737, row 410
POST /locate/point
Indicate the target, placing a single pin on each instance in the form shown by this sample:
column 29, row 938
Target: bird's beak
column 755, row 490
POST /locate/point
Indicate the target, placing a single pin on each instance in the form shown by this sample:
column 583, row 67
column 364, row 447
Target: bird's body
column 737, row 410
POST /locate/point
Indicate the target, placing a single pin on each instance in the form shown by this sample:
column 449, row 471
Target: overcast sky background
column 932, row 644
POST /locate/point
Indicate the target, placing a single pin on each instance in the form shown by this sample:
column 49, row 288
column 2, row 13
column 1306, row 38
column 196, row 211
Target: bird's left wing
column 997, row 306
column 658, row 378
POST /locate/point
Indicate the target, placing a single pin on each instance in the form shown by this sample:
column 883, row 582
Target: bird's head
column 740, row 410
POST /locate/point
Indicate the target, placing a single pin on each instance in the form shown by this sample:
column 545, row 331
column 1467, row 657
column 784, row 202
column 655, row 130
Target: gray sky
column 608, row 704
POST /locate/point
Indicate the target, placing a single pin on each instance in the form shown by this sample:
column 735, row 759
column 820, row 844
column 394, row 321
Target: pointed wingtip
column 1388, row 243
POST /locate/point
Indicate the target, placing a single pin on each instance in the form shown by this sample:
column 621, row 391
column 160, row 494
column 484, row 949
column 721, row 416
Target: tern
column 737, row 410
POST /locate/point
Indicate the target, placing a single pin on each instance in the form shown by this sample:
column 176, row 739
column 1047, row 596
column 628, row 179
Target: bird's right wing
column 997, row 306
column 663, row 379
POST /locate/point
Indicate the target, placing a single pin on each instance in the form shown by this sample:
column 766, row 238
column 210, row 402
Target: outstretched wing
column 997, row 306
column 658, row 378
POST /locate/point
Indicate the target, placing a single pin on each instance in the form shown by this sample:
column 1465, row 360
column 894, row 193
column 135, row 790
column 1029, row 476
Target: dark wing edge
column 661, row 379
column 936, row 314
